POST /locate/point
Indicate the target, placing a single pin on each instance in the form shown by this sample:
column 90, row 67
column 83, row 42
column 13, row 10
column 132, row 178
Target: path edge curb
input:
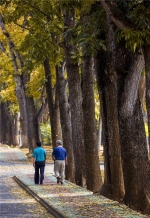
column 50, row 208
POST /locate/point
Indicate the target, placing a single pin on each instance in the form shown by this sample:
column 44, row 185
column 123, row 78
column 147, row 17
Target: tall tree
column 93, row 175
column 147, row 70
column 65, row 118
column 133, row 140
column 5, row 130
column 27, row 109
column 75, row 97
column 53, row 103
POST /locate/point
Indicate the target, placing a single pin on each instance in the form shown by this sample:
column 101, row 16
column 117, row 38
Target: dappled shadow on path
column 74, row 201
column 11, row 154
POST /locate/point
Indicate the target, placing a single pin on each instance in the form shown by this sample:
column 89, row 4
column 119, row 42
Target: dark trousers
column 39, row 165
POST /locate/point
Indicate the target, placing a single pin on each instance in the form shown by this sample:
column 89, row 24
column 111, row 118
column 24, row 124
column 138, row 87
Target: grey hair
column 59, row 142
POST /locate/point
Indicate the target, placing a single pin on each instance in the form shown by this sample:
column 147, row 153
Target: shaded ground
column 49, row 154
column 76, row 202
column 71, row 200
column 14, row 201
column 17, row 203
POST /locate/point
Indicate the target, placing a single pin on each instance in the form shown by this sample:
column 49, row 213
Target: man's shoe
column 62, row 183
column 58, row 179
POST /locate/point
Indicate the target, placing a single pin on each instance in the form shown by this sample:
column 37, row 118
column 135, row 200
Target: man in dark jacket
column 60, row 158
column 39, row 157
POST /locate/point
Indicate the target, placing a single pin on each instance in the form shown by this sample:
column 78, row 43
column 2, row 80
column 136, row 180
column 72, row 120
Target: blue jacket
column 59, row 153
column 39, row 154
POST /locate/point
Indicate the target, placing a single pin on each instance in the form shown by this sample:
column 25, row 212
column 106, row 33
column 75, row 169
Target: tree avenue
column 56, row 55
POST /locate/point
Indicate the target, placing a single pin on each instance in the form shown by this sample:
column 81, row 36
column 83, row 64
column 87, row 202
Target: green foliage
column 133, row 38
column 138, row 15
column 7, row 83
column 14, row 108
column 36, row 83
column 42, row 27
column 46, row 133
column 88, row 35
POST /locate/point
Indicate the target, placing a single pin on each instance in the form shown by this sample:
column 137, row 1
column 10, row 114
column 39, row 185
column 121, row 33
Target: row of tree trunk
column 118, row 73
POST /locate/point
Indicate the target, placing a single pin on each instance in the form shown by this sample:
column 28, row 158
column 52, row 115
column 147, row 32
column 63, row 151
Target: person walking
column 60, row 157
column 39, row 158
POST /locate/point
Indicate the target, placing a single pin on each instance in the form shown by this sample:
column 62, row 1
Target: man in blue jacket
column 60, row 158
column 39, row 157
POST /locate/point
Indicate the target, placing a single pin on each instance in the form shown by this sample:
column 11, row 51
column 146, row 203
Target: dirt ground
column 29, row 155
column 49, row 150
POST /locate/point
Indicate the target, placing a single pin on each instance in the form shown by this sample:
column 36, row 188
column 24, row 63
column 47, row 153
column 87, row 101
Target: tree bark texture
column 113, row 179
column 75, row 100
column 4, row 126
column 12, row 121
column 56, row 119
column 28, row 123
column 93, row 174
column 147, row 70
column 28, row 119
column 22, row 106
column 65, row 118
column 133, row 140
column 52, row 104
column 31, row 120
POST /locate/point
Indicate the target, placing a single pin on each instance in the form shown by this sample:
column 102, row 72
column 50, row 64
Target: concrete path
column 68, row 201
column 72, row 201
column 15, row 202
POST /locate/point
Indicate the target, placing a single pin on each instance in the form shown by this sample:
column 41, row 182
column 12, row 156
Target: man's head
column 58, row 142
column 38, row 143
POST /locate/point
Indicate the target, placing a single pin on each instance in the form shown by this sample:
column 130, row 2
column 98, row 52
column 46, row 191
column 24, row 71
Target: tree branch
column 130, row 92
column 111, row 8
column 22, row 26
column 39, row 10
column 2, row 48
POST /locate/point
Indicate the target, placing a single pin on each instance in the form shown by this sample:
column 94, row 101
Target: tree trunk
column 56, row 119
column 42, row 115
column 133, row 140
column 142, row 89
column 4, row 126
column 93, row 174
column 65, row 118
column 16, row 130
column 28, row 120
column 135, row 161
column 75, row 100
column 31, row 115
column 113, row 178
column 50, row 98
column 147, row 70
column 113, row 150
column 28, row 123
column 12, row 121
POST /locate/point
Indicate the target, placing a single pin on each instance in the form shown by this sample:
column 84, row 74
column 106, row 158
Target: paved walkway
column 11, row 154
column 68, row 201
column 72, row 201
column 15, row 202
